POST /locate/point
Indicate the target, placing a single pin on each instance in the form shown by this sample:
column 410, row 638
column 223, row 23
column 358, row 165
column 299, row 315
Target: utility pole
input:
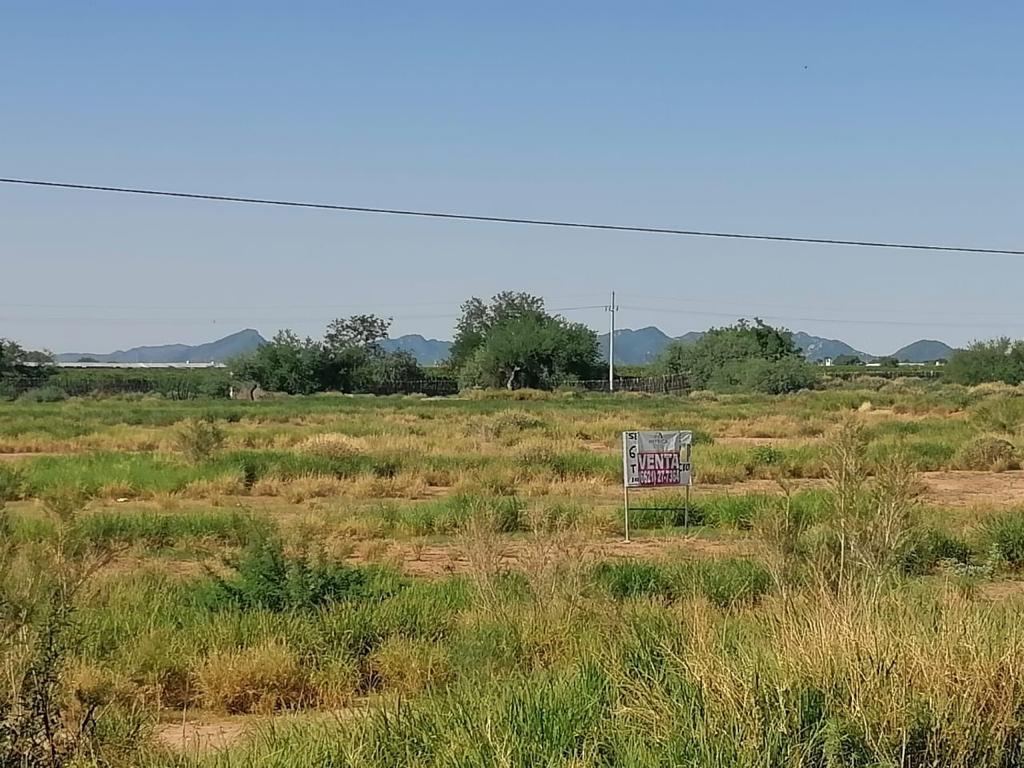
column 611, row 345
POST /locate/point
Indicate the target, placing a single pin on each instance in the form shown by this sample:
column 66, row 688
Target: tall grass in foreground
column 802, row 682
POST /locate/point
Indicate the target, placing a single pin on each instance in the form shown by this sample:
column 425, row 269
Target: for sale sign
column 655, row 459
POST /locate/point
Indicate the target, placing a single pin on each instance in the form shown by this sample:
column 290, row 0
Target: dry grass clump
column 224, row 485
column 405, row 485
column 506, row 394
column 995, row 388
column 263, row 679
column 311, row 487
column 409, row 666
column 332, row 444
column 776, row 426
column 703, row 396
column 987, row 454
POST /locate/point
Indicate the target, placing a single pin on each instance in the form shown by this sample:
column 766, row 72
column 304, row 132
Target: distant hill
column 635, row 347
column 923, row 351
column 645, row 344
column 817, row 349
column 426, row 351
column 218, row 351
column 632, row 347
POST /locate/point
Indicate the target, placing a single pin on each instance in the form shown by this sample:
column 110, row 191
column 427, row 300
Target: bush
column 265, row 577
column 1005, row 536
column 983, row 361
column 199, row 439
column 986, row 453
column 633, row 578
column 927, row 548
column 766, row 456
column 1000, row 414
column 780, row 377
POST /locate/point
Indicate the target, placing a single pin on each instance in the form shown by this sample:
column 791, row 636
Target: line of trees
column 510, row 341
column 349, row 358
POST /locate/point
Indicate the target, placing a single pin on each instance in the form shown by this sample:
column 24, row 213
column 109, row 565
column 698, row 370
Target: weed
column 199, row 439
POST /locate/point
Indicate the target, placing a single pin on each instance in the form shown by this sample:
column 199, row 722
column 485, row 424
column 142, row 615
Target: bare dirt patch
column 22, row 455
column 435, row 560
column 202, row 737
column 1002, row 590
column 967, row 489
column 742, row 441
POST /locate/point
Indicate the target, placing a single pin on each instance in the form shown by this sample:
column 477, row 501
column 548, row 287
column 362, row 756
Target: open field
column 357, row 581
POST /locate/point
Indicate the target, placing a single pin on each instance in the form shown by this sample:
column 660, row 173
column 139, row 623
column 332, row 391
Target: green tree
column 350, row 358
column 888, row 362
column 286, row 363
column 741, row 356
column 479, row 317
column 532, row 349
column 994, row 360
column 20, row 368
column 362, row 331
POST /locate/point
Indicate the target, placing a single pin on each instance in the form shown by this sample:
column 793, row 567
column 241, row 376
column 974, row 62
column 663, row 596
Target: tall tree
column 357, row 331
column 532, row 349
column 479, row 317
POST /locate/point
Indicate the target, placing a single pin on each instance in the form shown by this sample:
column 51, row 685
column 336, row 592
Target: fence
column 432, row 387
column 171, row 384
column 652, row 385
column 190, row 385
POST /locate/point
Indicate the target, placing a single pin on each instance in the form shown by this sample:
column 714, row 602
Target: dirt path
column 21, row 455
column 451, row 557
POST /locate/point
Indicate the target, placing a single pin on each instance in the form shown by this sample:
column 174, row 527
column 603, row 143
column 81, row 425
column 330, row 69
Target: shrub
column 780, row 377
column 984, row 361
column 987, row 453
column 47, row 394
column 265, row 577
column 1000, row 414
column 929, row 547
column 633, row 578
column 1005, row 536
column 766, row 456
column 199, row 439
column 703, row 396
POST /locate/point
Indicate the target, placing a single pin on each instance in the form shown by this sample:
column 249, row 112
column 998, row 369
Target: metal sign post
column 652, row 460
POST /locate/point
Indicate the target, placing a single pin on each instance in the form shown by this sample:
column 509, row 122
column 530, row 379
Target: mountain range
column 632, row 347
column 218, row 351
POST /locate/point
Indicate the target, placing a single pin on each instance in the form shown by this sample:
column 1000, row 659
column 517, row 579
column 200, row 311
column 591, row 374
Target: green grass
column 581, row 659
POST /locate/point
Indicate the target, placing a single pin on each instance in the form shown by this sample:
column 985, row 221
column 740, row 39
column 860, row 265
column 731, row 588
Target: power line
column 516, row 220
column 228, row 320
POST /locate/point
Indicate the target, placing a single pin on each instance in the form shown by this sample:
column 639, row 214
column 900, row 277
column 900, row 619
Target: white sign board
column 653, row 460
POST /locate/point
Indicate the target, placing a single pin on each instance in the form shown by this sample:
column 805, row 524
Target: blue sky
column 890, row 121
